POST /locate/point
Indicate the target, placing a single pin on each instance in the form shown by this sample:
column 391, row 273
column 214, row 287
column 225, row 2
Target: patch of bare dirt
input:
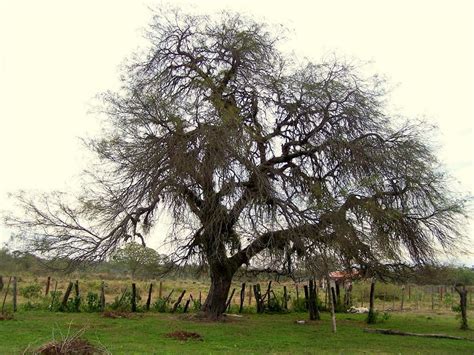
column 119, row 314
column 203, row 317
column 184, row 335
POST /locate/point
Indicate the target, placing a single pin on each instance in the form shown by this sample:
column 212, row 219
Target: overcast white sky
column 55, row 56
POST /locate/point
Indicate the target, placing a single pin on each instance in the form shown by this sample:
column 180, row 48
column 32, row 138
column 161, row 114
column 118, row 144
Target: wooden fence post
column 242, row 297
column 326, row 293
column 54, row 296
column 66, row 297
column 175, row 307
column 6, row 293
column 403, row 298
column 102, row 296
column 285, row 298
column 47, row 286
column 148, row 300
column 227, row 305
column 14, row 290
column 77, row 300
column 332, row 297
column 186, row 305
column 134, row 297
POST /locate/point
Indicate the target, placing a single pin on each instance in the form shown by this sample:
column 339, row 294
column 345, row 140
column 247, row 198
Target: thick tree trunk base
column 215, row 304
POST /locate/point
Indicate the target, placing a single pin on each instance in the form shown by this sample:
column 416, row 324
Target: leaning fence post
column 54, row 295
column 6, row 293
column 227, row 305
column 66, row 297
column 175, row 307
column 186, row 305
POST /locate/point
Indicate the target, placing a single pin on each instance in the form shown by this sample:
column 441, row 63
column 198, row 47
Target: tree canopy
column 252, row 153
column 139, row 259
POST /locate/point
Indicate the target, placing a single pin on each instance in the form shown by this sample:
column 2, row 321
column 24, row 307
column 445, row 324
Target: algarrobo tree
column 138, row 259
column 251, row 154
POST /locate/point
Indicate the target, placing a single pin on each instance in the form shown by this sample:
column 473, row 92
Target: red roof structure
column 344, row 275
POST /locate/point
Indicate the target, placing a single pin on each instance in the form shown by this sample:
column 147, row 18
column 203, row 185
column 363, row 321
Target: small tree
column 251, row 154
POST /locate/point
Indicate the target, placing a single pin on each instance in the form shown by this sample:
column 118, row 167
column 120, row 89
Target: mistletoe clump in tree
column 251, row 154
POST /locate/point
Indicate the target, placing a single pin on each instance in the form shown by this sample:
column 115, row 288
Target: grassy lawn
column 250, row 334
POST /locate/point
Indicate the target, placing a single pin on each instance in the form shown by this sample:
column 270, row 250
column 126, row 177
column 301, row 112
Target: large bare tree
column 251, row 154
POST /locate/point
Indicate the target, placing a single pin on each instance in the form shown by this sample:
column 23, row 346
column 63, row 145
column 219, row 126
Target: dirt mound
column 75, row 346
column 184, row 335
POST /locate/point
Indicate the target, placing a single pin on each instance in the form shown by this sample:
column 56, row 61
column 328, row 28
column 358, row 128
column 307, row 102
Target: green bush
column 55, row 300
column 197, row 305
column 33, row 306
column 275, row 305
column 124, row 302
column 92, row 302
column 31, row 291
column 161, row 305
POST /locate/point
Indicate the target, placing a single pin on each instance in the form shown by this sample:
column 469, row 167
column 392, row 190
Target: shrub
column 275, row 305
column 92, row 302
column 31, row 291
column 197, row 305
column 160, row 305
column 124, row 302
column 55, row 300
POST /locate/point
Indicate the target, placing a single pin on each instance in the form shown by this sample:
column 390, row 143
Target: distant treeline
column 148, row 264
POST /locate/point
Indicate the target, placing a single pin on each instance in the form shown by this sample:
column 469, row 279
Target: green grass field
column 146, row 333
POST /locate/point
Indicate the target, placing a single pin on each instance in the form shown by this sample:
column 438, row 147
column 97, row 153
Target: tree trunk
column 371, row 317
column 215, row 303
column 463, row 304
